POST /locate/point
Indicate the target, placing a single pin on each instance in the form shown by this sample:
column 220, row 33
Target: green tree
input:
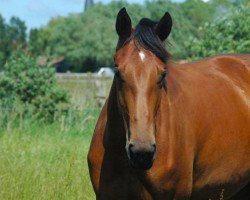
column 16, row 35
column 86, row 40
column 38, row 41
column 17, row 31
column 2, row 42
column 182, row 27
column 12, row 36
column 230, row 34
column 198, row 12
column 33, row 86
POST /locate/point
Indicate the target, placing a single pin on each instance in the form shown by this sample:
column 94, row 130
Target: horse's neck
column 115, row 135
column 168, row 130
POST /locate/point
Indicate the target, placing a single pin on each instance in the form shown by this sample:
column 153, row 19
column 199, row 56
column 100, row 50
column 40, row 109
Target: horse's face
column 139, row 79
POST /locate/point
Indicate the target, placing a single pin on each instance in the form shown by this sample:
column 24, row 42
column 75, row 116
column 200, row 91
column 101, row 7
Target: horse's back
column 235, row 66
column 230, row 73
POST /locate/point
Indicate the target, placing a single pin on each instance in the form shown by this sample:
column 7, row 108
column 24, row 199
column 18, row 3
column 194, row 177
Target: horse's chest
column 158, row 183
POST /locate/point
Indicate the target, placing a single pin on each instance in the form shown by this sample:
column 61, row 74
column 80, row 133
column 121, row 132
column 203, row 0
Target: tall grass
column 47, row 159
column 41, row 160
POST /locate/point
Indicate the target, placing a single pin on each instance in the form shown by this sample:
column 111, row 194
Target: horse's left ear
column 123, row 24
column 163, row 28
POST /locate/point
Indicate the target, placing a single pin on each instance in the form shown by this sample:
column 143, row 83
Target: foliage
column 181, row 24
column 24, row 81
column 16, row 32
column 38, row 41
column 87, row 40
column 198, row 12
column 12, row 36
column 230, row 34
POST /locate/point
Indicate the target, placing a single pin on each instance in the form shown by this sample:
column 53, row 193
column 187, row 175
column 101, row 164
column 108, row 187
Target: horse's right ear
column 164, row 26
column 123, row 24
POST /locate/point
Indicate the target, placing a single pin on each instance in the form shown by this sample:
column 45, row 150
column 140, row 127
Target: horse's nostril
column 141, row 155
column 130, row 148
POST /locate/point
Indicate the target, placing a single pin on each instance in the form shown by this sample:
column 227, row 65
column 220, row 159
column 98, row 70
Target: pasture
column 48, row 161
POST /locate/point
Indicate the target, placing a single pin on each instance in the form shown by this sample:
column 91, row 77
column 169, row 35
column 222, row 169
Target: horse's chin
column 140, row 166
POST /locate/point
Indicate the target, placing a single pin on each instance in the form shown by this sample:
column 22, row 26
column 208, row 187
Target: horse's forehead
column 137, row 58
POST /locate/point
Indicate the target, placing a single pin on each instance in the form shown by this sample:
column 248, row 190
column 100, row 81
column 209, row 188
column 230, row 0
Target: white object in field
column 105, row 71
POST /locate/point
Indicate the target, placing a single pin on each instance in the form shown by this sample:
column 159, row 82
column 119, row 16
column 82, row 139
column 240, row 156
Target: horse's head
column 140, row 78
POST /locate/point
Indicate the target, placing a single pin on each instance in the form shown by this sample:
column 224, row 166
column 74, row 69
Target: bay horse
column 171, row 131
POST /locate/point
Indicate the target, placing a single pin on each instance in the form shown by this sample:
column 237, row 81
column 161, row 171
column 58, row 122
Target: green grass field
column 40, row 160
column 46, row 161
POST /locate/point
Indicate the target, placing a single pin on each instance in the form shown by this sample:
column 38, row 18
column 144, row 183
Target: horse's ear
column 163, row 28
column 123, row 24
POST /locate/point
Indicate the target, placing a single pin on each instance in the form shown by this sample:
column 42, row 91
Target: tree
column 3, row 41
column 17, row 31
column 230, row 34
column 182, row 26
column 12, row 36
column 32, row 86
column 198, row 12
column 86, row 41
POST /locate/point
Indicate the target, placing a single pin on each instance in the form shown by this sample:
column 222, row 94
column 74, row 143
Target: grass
column 41, row 161
column 46, row 161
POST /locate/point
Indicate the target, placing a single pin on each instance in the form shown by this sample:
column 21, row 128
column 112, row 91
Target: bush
column 230, row 34
column 25, row 84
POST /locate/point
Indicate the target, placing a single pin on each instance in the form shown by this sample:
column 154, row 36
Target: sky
column 36, row 13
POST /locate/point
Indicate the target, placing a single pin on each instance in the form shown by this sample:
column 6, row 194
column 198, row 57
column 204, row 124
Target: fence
column 85, row 89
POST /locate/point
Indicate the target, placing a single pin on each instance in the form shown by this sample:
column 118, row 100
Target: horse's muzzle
column 141, row 158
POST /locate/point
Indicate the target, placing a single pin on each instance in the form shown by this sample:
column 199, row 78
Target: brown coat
column 202, row 137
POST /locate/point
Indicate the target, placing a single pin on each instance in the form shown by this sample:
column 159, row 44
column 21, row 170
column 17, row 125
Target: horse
column 171, row 131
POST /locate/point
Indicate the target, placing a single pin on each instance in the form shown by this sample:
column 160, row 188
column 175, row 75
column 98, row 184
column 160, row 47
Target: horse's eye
column 162, row 81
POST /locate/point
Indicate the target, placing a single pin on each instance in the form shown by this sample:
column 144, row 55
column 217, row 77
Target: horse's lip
column 140, row 167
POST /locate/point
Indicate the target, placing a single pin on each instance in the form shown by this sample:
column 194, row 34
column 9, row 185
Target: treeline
column 87, row 40
column 12, row 36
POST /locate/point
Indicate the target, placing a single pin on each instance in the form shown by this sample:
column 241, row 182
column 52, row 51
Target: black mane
column 144, row 35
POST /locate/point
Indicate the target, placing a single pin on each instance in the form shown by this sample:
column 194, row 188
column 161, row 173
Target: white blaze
column 142, row 55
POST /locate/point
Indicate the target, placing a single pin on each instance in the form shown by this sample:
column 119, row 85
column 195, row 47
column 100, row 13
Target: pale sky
column 36, row 13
